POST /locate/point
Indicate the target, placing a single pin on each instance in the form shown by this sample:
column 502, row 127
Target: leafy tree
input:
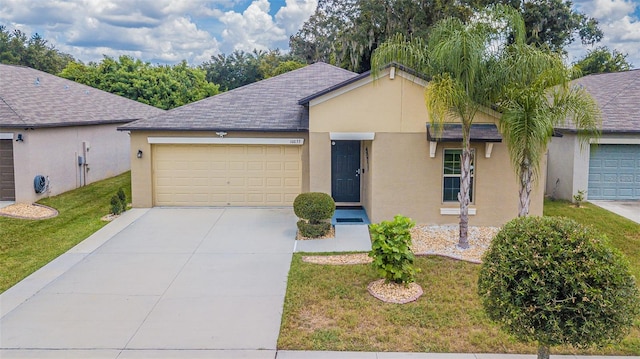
column 35, row 52
column 536, row 97
column 555, row 24
column 462, row 65
column 231, row 71
column 552, row 281
column 242, row 68
column 163, row 86
column 602, row 60
column 346, row 32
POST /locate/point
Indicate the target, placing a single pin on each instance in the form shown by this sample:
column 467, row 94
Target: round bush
column 554, row 281
column 314, row 206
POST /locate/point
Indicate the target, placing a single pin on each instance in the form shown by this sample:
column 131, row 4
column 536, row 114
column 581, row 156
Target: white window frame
column 473, row 172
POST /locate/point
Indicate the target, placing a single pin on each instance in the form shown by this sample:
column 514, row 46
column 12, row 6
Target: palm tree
column 460, row 61
column 536, row 97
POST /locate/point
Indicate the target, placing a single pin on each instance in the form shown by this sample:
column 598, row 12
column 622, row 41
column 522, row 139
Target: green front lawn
column 328, row 307
column 27, row 245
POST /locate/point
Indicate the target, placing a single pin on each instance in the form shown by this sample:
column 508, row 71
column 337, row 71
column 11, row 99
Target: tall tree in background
column 35, row 52
column 536, row 97
column 553, row 23
column 242, row 68
column 461, row 60
column 602, row 60
column 162, row 86
column 346, row 32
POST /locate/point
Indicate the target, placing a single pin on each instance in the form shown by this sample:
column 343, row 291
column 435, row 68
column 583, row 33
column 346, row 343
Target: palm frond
column 410, row 52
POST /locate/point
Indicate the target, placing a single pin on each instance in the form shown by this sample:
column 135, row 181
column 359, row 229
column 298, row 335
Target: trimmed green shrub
column 123, row 199
column 315, row 207
column 391, row 250
column 553, row 281
column 313, row 230
column 116, row 205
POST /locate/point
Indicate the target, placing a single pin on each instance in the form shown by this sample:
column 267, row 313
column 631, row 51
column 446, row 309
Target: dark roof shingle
column 618, row 96
column 480, row 132
column 267, row 105
column 32, row 98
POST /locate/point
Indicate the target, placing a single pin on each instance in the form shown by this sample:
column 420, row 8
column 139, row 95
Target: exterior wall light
column 139, row 154
column 19, row 138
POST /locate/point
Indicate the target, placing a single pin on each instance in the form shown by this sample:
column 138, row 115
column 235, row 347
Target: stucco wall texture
column 53, row 153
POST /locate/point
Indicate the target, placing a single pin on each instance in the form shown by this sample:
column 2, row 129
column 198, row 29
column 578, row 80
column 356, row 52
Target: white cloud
column 295, row 13
column 252, row 29
column 620, row 26
column 156, row 30
column 609, row 10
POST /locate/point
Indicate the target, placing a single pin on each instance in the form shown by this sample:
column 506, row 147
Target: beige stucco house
column 59, row 131
column 365, row 141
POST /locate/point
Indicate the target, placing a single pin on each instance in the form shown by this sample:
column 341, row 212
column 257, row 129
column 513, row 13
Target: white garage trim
column 6, row 136
column 615, row 141
column 225, row 141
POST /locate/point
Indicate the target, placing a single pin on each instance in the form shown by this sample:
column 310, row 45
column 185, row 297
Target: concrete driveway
column 163, row 279
column 627, row 209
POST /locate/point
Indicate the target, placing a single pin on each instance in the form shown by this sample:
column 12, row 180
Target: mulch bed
column 28, row 211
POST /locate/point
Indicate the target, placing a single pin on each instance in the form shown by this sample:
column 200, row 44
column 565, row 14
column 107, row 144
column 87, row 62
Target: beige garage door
column 226, row 175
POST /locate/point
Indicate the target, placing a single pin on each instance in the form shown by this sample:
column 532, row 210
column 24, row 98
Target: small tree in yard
column 391, row 250
column 552, row 281
column 315, row 209
column 116, row 205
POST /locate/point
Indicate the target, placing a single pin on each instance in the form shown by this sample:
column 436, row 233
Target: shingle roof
column 618, row 95
column 480, row 132
column 364, row 75
column 267, row 105
column 32, row 98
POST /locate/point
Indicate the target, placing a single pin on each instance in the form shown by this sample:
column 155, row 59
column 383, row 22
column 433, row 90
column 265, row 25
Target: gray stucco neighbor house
column 608, row 168
column 61, row 130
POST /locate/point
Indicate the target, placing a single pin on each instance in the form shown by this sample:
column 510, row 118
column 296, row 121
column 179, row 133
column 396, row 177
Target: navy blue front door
column 345, row 171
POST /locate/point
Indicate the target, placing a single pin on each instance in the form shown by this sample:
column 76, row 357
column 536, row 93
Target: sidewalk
column 262, row 354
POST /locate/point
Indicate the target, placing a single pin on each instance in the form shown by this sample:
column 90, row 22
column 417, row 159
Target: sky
column 169, row 31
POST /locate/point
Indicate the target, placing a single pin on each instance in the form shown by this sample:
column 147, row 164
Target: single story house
column 365, row 141
column 608, row 167
column 57, row 135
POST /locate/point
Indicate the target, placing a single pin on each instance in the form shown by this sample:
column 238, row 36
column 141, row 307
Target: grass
column 328, row 307
column 27, row 245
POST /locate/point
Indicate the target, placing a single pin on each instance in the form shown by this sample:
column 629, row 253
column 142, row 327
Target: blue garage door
column 614, row 172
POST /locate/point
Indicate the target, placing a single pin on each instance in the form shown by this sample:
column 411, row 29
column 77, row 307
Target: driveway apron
column 175, row 278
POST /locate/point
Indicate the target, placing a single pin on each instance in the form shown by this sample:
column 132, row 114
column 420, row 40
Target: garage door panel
column 627, row 163
column 274, row 166
column 626, row 178
column 221, row 175
column 614, row 172
column 255, row 165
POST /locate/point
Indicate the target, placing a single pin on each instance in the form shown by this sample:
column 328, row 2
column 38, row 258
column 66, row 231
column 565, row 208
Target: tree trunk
column 526, row 183
column 463, row 195
column 543, row 351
